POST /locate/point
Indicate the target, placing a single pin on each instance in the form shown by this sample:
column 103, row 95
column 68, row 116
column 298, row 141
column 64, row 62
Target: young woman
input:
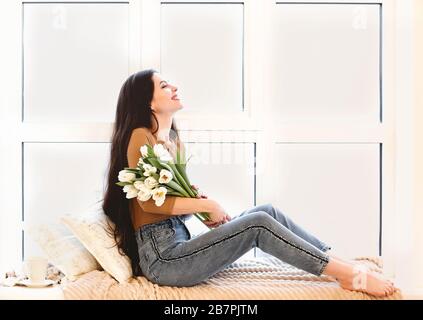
column 157, row 240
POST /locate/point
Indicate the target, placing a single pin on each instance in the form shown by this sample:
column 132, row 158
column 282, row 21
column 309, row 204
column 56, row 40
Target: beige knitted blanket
column 253, row 279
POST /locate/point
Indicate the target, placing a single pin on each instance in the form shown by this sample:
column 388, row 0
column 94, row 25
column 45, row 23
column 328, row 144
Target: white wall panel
column 332, row 190
column 75, row 60
column 202, row 52
column 225, row 173
column 59, row 179
column 325, row 61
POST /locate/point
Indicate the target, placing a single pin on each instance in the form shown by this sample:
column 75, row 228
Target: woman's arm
column 172, row 205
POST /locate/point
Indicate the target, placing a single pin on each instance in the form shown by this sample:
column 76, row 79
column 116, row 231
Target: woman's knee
column 275, row 212
column 267, row 207
column 261, row 218
column 270, row 209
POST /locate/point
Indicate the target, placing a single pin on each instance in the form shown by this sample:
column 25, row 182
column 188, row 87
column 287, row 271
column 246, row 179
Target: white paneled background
column 75, row 56
column 216, row 37
column 225, row 171
column 327, row 62
column 328, row 187
column 61, row 179
column 294, row 90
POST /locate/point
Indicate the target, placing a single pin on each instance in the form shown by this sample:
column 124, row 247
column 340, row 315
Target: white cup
column 36, row 269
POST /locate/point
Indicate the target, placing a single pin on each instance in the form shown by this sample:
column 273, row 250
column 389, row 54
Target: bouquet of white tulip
column 156, row 175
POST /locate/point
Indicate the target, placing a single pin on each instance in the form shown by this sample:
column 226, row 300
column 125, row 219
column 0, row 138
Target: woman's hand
column 217, row 215
column 200, row 194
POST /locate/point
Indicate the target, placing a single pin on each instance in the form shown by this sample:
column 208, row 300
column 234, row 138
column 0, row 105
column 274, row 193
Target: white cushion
column 63, row 250
column 91, row 229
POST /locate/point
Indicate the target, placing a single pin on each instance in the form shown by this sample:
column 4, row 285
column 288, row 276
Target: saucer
column 31, row 284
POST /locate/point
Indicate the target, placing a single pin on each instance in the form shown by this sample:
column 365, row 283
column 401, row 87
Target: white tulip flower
column 167, row 158
column 159, row 149
column 159, row 195
column 150, row 183
column 165, row 176
column 126, row 176
column 142, row 187
column 130, row 190
column 144, row 151
column 139, row 185
column 144, row 194
column 159, row 202
column 161, row 152
column 149, row 169
column 140, row 162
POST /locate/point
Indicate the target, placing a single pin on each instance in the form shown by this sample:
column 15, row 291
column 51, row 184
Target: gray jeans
column 170, row 256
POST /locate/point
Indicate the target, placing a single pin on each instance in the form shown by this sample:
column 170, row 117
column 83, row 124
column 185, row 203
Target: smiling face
column 165, row 98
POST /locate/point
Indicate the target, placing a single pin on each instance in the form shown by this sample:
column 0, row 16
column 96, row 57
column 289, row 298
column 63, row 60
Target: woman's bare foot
column 368, row 282
column 358, row 278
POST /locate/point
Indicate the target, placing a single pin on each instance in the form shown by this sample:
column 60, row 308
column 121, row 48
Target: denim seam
column 231, row 236
column 325, row 263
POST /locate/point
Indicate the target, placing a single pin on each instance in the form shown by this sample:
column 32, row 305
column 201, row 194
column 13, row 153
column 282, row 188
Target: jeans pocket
column 164, row 233
column 163, row 238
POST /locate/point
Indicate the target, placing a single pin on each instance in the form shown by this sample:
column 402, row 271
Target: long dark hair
column 133, row 111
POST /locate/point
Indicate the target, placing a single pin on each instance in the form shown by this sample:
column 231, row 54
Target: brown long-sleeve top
column 146, row 212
